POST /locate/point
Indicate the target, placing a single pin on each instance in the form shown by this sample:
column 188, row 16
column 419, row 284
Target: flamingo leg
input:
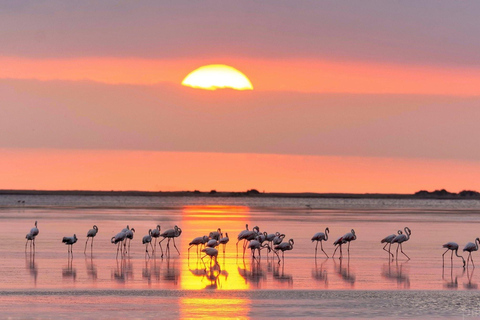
column 26, row 245
column 401, row 250
column 160, row 244
column 398, row 246
column 321, row 247
column 333, row 255
column 91, row 245
column 316, row 249
column 443, row 257
column 85, row 250
column 386, row 244
column 175, row 246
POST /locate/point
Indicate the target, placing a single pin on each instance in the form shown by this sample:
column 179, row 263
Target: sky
column 350, row 96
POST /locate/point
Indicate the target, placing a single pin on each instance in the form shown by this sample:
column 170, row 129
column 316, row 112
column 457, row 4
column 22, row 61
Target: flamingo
column 212, row 253
column 198, row 241
column 388, row 241
column 256, row 245
column 402, row 238
column 70, row 241
column 31, row 236
column 470, row 247
column 348, row 237
column 224, row 241
column 284, row 246
column 454, row 247
column 170, row 234
column 156, row 234
column 119, row 238
column 278, row 239
column 148, row 240
column 90, row 234
column 212, row 243
column 242, row 234
column 319, row 237
column 129, row 236
column 338, row 243
column 215, row 234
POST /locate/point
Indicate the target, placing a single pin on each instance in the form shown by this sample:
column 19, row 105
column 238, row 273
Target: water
column 365, row 284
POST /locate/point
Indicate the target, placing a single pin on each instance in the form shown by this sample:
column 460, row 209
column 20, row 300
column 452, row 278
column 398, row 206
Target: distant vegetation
column 447, row 195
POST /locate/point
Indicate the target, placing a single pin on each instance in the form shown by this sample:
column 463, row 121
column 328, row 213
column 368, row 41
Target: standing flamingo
column 170, row 234
column 215, row 234
column 148, row 240
column 319, row 237
column 198, row 241
column 242, row 235
column 402, row 238
column 454, row 247
column 90, row 234
column 129, row 237
column 470, row 247
column 256, row 245
column 156, row 234
column 388, row 241
column 118, row 240
column 69, row 241
column 284, row 246
column 338, row 243
column 31, row 236
column 212, row 253
column 224, row 241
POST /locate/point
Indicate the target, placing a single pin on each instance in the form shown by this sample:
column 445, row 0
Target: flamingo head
column 112, row 240
column 95, row 227
column 327, row 230
column 256, row 228
column 133, row 229
column 35, row 223
column 158, row 227
column 408, row 231
column 400, row 232
column 149, row 232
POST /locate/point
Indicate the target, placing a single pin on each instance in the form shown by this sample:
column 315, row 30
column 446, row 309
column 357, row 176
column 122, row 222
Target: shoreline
column 249, row 193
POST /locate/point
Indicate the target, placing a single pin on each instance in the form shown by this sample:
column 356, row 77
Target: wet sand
column 365, row 285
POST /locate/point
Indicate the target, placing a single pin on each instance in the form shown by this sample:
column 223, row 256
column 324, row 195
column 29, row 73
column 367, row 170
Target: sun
column 217, row 76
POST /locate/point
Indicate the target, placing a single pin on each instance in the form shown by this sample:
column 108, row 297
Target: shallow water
column 364, row 284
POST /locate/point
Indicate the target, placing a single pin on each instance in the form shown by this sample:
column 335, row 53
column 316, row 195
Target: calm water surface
column 365, row 284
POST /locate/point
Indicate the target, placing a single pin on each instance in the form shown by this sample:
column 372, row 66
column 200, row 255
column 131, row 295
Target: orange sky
column 176, row 171
column 348, row 96
column 298, row 75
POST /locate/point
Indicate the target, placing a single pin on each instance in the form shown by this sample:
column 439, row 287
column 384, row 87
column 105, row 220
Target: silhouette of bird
column 215, row 234
column 212, row 253
column 224, row 241
column 156, row 234
column 454, row 247
column 90, row 234
column 212, row 243
column 170, row 234
column 348, row 237
column 118, row 240
column 284, row 246
column 129, row 237
column 148, row 240
column 242, row 235
column 256, row 245
column 319, row 237
column 31, row 236
column 402, row 238
column 69, row 241
column 198, row 241
column 470, row 247
column 388, row 241
column 338, row 243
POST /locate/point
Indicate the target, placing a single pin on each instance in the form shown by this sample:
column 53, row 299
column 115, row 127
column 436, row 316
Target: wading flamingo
column 319, row 237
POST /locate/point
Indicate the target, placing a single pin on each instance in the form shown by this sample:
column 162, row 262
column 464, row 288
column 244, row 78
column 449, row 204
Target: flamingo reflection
column 396, row 273
column 123, row 271
column 280, row 276
column 344, row 271
column 470, row 285
column 91, row 268
column 69, row 272
column 253, row 275
column 451, row 283
column 31, row 265
column 318, row 273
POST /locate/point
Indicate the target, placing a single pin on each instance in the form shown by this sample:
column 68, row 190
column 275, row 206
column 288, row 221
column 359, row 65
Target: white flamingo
column 212, row 253
column 90, row 234
column 224, row 241
column 148, row 240
column 284, row 246
column 401, row 238
column 155, row 235
column 454, row 247
column 31, row 236
column 388, row 241
column 69, row 241
column 319, row 237
column 198, row 241
column 470, row 247
column 170, row 234
column 118, row 240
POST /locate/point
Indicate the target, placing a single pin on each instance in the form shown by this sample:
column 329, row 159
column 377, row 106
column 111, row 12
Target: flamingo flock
column 253, row 239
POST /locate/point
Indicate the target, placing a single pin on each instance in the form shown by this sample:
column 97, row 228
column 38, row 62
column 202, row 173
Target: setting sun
column 215, row 76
